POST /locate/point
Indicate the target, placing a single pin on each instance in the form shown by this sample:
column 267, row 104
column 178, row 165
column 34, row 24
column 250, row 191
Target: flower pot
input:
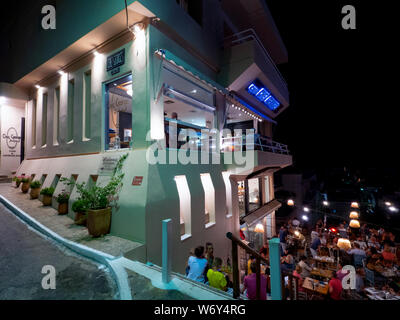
column 63, row 208
column 47, row 200
column 80, row 218
column 35, row 193
column 25, row 187
column 99, row 222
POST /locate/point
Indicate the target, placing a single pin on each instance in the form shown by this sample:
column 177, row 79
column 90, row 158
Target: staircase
column 5, row 179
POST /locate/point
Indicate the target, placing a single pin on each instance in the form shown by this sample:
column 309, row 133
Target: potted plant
column 25, row 185
column 35, row 189
column 62, row 200
column 47, row 195
column 80, row 209
column 100, row 200
column 17, row 181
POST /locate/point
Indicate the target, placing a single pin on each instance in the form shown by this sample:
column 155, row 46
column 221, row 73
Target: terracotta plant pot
column 25, row 187
column 47, row 200
column 99, row 222
column 63, row 208
column 80, row 218
column 35, row 193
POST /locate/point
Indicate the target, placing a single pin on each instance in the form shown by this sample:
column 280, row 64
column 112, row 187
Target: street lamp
column 393, row 209
column 306, row 209
column 325, row 203
column 290, row 203
column 305, row 218
column 354, row 205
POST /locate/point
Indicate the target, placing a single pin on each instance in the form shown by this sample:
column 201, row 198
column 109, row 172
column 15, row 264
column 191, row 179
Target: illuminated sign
column 258, row 90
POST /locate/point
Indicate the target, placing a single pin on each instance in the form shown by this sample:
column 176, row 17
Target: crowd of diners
column 369, row 250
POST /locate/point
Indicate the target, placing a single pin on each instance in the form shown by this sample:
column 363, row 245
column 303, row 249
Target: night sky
column 343, row 84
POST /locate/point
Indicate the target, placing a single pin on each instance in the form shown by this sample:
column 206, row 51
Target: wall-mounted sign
column 107, row 166
column 137, row 181
column 116, row 60
column 258, row 90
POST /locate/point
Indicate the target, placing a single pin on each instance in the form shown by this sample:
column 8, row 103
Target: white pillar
column 166, row 250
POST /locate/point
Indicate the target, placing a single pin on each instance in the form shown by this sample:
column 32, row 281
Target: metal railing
column 244, row 143
column 251, row 35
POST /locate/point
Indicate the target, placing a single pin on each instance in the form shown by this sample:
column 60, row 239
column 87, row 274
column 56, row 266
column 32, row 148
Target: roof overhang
column 112, row 28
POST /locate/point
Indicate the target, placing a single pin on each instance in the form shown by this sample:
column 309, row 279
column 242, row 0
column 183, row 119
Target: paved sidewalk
column 64, row 226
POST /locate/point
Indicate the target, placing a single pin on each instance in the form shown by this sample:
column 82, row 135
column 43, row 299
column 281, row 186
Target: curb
column 119, row 274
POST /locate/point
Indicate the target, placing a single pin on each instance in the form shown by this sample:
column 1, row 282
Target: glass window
column 119, row 113
column 254, row 194
column 267, row 197
column 241, row 198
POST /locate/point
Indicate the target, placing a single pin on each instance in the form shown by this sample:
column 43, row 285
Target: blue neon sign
column 263, row 95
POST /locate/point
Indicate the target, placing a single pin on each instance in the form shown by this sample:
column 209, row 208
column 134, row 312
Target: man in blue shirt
column 197, row 265
column 282, row 238
column 315, row 245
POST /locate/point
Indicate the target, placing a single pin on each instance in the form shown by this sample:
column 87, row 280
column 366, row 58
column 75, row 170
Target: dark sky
column 343, row 84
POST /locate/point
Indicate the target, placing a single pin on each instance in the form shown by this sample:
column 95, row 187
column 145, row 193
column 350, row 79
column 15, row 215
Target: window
column 241, row 198
column 119, row 113
column 184, row 206
column 44, row 119
column 209, row 197
column 254, row 194
column 70, row 112
column 267, row 197
column 228, row 192
column 194, row 8
column 34, row 112
column 56, row 116
column 87, row 94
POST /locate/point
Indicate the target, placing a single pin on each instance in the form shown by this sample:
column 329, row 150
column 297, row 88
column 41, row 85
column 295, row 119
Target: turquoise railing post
column 166, row 250
column 275, row 269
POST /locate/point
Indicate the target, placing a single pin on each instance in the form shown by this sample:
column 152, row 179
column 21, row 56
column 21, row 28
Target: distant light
column 354, row 204
column 354, row 224
column 393, row 209
column 259, row 228
column 354, row 215
column 325, row 203
column 306, row 209
column 195, row 91
column 333, row 230
column 290, row 203
column 297, row 233
column 305, row 218
column 388, row 204
column 61, row 73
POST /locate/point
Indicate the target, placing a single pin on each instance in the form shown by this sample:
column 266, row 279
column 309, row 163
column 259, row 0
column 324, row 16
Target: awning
column 179, row 63
column 262, row 212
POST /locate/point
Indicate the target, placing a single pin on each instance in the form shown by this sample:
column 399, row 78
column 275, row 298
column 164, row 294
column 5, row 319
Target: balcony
column 245, row 60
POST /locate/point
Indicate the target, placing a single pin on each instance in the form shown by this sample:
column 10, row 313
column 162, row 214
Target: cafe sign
column 12, row 140
column 115, row 61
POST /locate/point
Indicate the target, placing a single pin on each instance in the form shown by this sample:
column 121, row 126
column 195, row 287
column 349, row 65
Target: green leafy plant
column 63, row 197
column 79, row 205
column 25, row 180
column 35, row 184
column 47, row 191
column 100, row 197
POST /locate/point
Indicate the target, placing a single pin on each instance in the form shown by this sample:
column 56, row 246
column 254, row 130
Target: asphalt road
column 23, row 253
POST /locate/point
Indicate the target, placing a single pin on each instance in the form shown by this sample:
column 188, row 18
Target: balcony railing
column 245, row 142
column 251, row 35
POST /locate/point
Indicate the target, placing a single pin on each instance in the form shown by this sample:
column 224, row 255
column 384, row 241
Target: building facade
column 128, row 82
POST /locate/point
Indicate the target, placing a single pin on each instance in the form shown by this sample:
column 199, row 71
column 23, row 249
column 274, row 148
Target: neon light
column 263, row 95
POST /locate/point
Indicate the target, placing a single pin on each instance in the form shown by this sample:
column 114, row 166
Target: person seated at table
column 359, row 280
column 357, row 250
column 250, row 284
column 361, row 241
column 287, row 261
column 373, row 242
column 340, row 274
column 264, row 251
column 372, row 255
column 335, row 288
column 216, row 278
column 305, row 268
column 249, row 262
column 388, row 256
column 297, row 273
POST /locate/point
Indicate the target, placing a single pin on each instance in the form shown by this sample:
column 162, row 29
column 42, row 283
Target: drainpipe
column 275, row 269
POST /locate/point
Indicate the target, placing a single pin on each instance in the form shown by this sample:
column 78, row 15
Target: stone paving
column 63, row 225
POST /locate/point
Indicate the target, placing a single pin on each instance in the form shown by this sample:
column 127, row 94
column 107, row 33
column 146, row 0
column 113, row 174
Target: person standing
column 197, row 265
column 315, row 245
column 282, row 237
column 250, row 284
column 335, row 288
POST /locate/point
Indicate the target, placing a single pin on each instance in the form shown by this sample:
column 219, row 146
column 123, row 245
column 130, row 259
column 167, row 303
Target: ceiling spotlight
column 393, row 209
column 61, row 73
column 137, row 27
column 96, row 53
column 325, row 203
column 388, row 204
column 37, row 86
column 305, row 218
column 306, row 209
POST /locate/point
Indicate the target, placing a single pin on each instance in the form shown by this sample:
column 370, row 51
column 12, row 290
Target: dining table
column 375, row 294
column 315, row 287
column 322, row 273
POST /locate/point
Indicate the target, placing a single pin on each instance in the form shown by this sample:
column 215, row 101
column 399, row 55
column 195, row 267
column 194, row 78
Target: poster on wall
column 10, row 138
